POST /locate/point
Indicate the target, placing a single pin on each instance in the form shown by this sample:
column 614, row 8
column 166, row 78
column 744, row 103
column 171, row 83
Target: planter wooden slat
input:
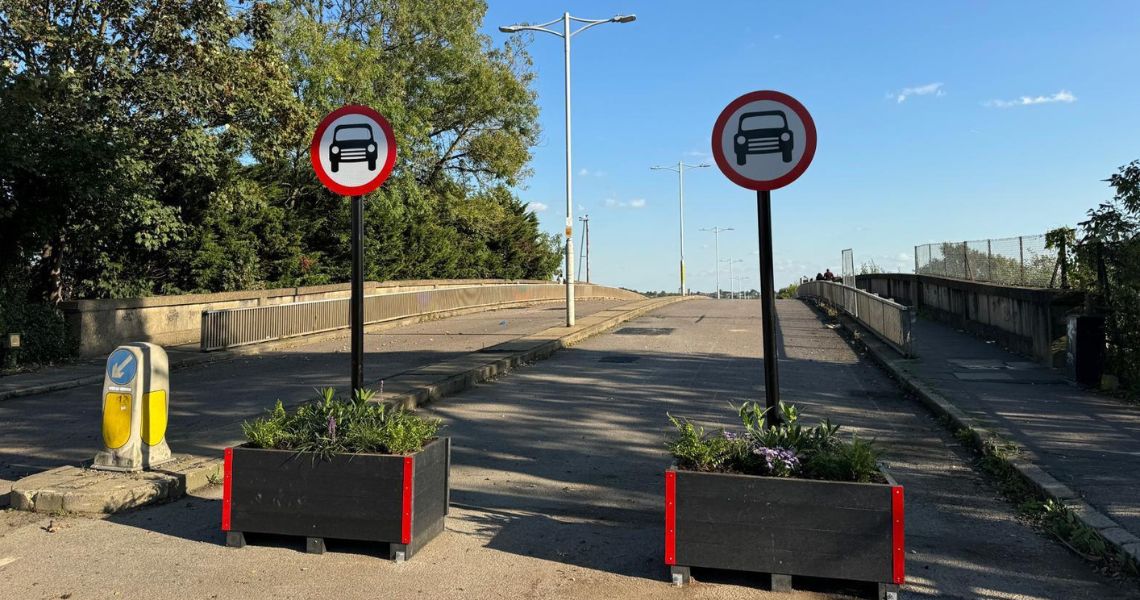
column 785, row 527
column 347, row 496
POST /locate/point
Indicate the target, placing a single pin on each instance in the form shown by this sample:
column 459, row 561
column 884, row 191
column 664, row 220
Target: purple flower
column 332, row 428
column 731, row 436
column 778, row 462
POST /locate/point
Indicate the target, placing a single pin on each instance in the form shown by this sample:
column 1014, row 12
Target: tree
column 124, row 123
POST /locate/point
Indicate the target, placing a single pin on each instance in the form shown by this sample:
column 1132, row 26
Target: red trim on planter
column 670, row 517
column 898, row 529
column 406, row 520
column 227, row 487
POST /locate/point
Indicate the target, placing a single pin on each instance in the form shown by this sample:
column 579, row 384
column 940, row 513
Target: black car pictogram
column 352, row 143
column 764, row 132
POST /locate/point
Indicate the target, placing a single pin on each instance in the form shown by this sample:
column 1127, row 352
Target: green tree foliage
column 161, row 146
column 1108, row 269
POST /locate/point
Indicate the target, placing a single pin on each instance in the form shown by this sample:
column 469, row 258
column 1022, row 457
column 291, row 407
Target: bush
column 331, row 425
column 786, row 450
column 43, row 333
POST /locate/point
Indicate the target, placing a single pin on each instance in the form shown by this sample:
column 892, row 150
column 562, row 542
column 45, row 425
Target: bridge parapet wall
column 1025, row 320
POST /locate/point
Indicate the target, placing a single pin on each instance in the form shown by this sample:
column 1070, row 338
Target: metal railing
column 1022, row 261
column 229, row 328
column 889, row 320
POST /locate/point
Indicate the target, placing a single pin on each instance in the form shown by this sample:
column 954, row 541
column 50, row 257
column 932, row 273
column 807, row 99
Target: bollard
column 136, row 389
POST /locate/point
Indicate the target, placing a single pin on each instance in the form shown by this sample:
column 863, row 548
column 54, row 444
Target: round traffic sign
column 763, row 140
column 353, row 150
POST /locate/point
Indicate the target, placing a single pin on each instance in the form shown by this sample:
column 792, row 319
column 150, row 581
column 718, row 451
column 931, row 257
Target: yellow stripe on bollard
column 154, row 419
column 116, row 420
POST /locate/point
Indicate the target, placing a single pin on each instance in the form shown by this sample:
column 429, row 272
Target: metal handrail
column 233, row 327
column 890, row 321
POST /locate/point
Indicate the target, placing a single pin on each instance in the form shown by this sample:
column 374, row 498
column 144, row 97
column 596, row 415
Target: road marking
column 738, row 331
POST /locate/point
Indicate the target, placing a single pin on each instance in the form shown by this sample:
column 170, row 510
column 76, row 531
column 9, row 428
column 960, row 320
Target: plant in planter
column 335, row 468
column 785, row 500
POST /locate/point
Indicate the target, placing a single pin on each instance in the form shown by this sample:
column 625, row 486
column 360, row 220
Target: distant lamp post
column 731, row 261
column 716, row 231
column 680, row 171
column 740, row 286
column 566, row 34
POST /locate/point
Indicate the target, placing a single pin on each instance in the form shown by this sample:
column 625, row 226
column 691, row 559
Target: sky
column 936, row 122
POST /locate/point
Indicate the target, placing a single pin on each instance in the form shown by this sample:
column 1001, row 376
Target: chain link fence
column 1022, row 261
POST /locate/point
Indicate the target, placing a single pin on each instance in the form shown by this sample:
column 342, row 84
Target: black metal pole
column 356, row 310
column 768, row 310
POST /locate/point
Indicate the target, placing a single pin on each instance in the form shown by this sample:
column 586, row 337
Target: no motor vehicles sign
column 353, row 150
column 763, row 140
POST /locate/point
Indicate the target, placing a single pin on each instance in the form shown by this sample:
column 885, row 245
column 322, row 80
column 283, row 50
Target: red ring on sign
column 786, row 178
column 385, row 169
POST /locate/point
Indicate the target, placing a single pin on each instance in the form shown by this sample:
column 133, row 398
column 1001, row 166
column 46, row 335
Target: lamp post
column 740, row 281
column 730, row 262
column 566, row 34
column 716, row 232
column 680, row 171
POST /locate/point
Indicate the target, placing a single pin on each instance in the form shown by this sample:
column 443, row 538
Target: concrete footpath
column 557, row 489
column 1073, row 444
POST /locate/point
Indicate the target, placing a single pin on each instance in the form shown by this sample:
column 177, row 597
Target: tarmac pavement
column 557, row 489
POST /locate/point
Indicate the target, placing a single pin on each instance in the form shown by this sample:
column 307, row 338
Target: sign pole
column 356, row 309
column 768, row 309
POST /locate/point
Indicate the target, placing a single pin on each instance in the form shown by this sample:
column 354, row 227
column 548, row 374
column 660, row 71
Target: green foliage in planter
column 331, row 425
column 788, row 449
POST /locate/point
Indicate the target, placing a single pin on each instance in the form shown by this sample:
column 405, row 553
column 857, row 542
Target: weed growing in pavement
column 331, row 425
column 788, row 449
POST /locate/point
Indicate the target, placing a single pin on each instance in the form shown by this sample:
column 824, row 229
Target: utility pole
column 586, row 234
column 716, row 233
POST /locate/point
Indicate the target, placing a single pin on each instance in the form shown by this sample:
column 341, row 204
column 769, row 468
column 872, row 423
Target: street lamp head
column 509, row 28
column 624, row 18
column 702, row 165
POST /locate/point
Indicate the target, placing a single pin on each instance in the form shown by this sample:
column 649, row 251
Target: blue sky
column 936, row 121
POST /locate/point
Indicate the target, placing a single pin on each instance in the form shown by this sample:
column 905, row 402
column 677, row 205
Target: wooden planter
column 785, row 527
column 400, row 500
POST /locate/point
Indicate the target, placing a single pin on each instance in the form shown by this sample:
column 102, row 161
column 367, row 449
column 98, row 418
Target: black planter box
column 397, row 499
column 785, row 527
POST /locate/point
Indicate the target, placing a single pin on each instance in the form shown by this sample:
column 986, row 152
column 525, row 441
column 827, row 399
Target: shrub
column 330, row 425
column 44, row 335
column 785, row 450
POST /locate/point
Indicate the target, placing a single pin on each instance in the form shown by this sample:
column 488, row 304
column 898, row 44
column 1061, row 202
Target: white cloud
column 635, row 203
column 588, row 173
column 1062, row 96
column 918, row 90
column 536, row 207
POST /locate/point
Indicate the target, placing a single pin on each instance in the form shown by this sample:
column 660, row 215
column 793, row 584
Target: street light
column 730, row 262
column 566, row 34
column 740, row 281
column 680, row 171
column 716, row 231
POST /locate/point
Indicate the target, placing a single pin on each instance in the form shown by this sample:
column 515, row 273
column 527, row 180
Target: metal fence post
column 989, row 260
column 1021, row 255
column 966, row 259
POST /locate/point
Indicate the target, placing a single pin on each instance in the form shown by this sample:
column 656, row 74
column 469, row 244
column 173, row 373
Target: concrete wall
column 101, row 325
column 1025, row 320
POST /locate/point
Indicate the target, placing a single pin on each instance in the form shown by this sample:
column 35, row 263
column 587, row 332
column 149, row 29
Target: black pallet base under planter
column 785, row 527
column 398, row 500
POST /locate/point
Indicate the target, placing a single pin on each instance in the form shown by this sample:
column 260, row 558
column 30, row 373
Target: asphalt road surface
column 558, row 482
